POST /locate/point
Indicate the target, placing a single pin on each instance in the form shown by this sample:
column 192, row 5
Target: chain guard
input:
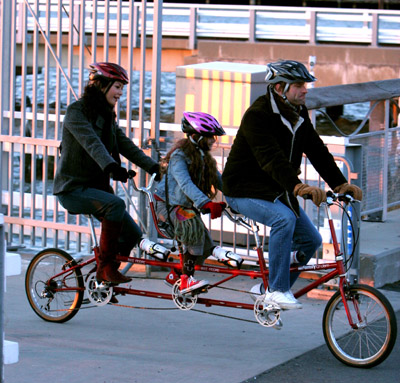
column 99, row 293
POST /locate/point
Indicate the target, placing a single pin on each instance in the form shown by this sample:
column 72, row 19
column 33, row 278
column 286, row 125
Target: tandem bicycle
column 358, row 324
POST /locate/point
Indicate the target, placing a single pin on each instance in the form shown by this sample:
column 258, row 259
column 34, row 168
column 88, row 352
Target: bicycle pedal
column 201, row 290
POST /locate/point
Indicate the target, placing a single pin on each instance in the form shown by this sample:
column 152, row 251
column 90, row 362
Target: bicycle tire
column 50, row 305
column 372, row 342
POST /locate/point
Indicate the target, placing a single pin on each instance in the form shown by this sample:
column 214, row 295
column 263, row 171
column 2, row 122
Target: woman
column 91, row 146
column 190, row 183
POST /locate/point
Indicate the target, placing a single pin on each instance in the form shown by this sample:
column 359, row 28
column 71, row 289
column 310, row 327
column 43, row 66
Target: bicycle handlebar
column 331, row 197
column 144, row 189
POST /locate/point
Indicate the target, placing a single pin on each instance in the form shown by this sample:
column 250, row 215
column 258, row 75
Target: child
column 188, row 188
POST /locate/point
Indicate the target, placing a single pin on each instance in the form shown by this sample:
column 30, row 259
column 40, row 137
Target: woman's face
column 115, row 92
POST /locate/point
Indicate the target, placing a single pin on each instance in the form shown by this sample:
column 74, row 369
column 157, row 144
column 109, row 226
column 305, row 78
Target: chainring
column 99, row 293
column 182, row 301
column 267, row 314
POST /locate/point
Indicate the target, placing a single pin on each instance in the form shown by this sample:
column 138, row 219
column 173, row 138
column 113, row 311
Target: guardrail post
column 312, row 22
column 375, row 30
column 193, row 28
column 252, row 26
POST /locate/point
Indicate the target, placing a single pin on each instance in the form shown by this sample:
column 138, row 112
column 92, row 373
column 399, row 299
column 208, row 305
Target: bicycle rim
column 372, row 341
column 50, row 300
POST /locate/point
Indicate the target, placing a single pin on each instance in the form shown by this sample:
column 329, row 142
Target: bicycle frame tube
column 68, row 272
column 335, row 269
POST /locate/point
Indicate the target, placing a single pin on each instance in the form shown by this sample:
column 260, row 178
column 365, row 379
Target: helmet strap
column 196, row 144
column 283, row 96
column 109, row 85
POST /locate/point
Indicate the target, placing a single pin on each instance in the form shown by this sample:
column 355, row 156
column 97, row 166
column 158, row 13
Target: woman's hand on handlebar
column 131, row 174
column 215, row 208
column 156, row 169
column 117, row 173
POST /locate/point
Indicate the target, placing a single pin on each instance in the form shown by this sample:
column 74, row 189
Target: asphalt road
column 320, row 366
column 157, row 343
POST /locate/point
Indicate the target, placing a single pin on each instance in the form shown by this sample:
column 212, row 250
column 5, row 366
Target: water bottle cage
column 154, row 249
column 228, row 258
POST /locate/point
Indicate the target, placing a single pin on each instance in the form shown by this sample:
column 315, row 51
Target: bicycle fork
column 343, row 283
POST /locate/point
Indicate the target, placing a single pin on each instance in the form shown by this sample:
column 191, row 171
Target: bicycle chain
column 175, row 308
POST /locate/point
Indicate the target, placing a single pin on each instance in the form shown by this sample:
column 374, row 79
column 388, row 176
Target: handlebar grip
column 131, row 173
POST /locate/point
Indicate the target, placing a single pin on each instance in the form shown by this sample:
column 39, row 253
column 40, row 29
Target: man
column 261, row 181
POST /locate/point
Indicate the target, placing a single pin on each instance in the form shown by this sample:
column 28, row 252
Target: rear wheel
column 54, row 298
column 371, row 339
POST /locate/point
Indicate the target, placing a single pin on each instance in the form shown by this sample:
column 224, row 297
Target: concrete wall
column 336, row 64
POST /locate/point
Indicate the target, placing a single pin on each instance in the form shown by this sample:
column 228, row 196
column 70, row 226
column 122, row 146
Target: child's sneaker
column 189, row 284
column 171, row 278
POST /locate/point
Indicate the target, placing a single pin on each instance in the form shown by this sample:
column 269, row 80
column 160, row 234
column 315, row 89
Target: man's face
column 296, row 94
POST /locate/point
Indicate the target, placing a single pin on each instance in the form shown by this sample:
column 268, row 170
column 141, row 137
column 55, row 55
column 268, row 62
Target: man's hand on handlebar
column 346, row 188
column 314, row 193
column 215, row 208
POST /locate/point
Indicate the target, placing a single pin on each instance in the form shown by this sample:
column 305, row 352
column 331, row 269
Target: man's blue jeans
column 288, row 233
column 103, row 205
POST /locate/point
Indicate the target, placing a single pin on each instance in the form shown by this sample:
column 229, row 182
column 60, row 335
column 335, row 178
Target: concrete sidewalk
column 154, row 342
column 380, row 251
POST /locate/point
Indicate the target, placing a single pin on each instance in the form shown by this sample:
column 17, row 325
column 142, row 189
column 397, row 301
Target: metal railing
column 198, row 21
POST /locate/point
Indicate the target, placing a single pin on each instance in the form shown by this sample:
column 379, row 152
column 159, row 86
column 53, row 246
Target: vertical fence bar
column 57, row 123
column 132, row 36
column 134, row 24
column 2, row 282
column 106, row 31
column 11, row 79
column 46, row 74
column 82, row 44
column 71, row 34
column 94, row 31
column 25, row 105
column 118, row 47
column 385, row 175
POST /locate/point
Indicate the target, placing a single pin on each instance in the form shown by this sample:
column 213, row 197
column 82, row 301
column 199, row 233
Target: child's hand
column 215, row 208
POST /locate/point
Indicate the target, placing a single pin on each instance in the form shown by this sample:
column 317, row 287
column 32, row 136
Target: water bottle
column 297, row 256
column 227, row 257
column 154, row 249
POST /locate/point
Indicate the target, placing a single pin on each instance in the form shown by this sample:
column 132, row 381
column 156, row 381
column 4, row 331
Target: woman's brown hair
column 202, row 169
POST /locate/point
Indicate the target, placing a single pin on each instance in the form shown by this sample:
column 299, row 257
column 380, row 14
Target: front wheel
column 373, row 334
column 54, row 290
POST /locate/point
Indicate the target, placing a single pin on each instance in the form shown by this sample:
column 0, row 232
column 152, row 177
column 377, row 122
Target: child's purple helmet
column 201, row 123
